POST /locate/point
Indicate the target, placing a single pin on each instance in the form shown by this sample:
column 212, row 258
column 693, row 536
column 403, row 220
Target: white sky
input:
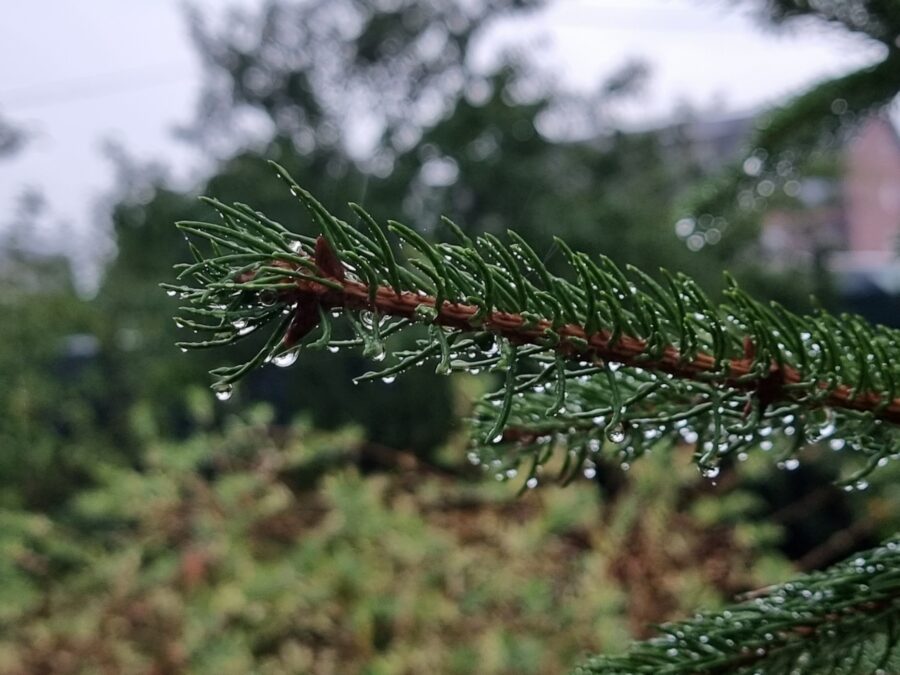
column 78, row 73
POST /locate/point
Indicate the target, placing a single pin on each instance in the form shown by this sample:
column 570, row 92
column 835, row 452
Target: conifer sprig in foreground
column 597, row 363
column 599, row 357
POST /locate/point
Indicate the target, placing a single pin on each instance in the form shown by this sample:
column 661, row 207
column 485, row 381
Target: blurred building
column 845, row 218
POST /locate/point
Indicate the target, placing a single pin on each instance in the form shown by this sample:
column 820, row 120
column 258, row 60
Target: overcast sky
column 78, row 73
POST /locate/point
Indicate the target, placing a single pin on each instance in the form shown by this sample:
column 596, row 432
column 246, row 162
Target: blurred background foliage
column 147, row 528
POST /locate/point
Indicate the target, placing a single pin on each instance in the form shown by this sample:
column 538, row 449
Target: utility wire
column 56, row 93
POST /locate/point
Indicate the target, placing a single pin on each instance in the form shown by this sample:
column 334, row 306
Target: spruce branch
column 601, row 355
column 845, row 619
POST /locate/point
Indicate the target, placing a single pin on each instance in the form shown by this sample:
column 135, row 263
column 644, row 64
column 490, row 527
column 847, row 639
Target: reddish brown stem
column 628, row 350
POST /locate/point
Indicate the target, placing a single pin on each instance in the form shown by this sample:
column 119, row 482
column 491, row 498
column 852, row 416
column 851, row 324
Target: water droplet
column 616, row 434
column 828, row 426
column 239, row 324
column 709, row 471
column 387, row 379
column 689, row 435
column 295, row 245
column 531, row 483
column 223, row 393
column 170, row 293
column 334, row 349
column 286, row 359
column 590, row 472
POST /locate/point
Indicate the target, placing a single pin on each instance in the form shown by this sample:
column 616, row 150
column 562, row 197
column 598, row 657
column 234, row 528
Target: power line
column 56, row 93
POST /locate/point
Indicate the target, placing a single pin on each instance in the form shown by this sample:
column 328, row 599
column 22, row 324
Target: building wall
column 871, row 188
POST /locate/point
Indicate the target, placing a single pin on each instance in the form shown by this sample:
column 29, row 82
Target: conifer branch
column 845, row 619
column 637, row 360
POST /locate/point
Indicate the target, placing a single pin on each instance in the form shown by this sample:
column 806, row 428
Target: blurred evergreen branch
column 796, row 134
column 600, row 357
column 841, row 620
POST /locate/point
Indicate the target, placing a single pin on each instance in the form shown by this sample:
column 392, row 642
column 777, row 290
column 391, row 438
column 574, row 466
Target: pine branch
column 845, row 619
column 598, row 356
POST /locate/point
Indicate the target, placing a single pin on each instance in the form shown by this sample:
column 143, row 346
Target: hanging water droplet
column 170, row 293
column 689, row 436
column 828, row 426
column 387, row 379
column 239, row 324
column 531, row 483
column 709, row 471
column 616, row 434
column 286, row 359
column 590, row 472
column 267, row 298
column 223, row 393
column 511, row 473
column 791, row 464
column 334, row 349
